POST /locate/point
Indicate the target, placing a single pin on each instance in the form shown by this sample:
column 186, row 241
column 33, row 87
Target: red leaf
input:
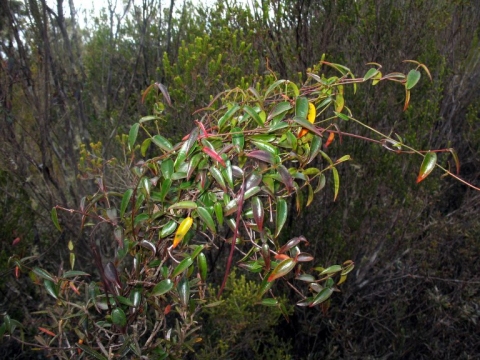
column 16, row 241
column 262, row 155
column 202, row 128
column 291, row 243
column 286, row 177
column 258, row 212
column 213, row 155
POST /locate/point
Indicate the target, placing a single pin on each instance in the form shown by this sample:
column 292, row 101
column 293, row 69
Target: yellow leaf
column 182, row 230
column 340, row 102
column 312, row 114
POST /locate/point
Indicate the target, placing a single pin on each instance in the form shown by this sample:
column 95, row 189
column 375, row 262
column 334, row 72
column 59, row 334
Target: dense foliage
column 67, row 134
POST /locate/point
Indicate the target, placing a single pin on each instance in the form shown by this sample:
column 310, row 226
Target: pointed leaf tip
column 54, row 217
column 428, row 164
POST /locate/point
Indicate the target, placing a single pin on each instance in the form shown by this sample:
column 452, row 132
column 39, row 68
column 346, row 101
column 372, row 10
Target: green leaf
column 144, row 147
column 73, row 273
column 125, row 200
column 370, row 73
column 197, row 249
column 336, row 183
column 277, row 126
column 132, row 135
column 167, row 168
column 342, row 116
column 307, row 125
column 228, row 174
column 51, row 288
column 218, row 212
column 305, row 277
column 251, row 192
column 428, row 164
column 294, row 88
column 118, row 317
column 315, row 147
column 282, row 269
column 455, row 158
column 184, row 264
column 238, row 139
column 202, row 266
column 310, row 194
column 322, row 296
column 269, row 302
column 136, row 296
column 193, row 163
column 164, row 189
column 140, row 218
column 162, row 143
column 273, row 86
column 412, row 79
column 91, row 352
column 253, row 266
column 347, row 267
column 204, row 214
column 331, row 270
column 227, row 116
column 265, row 285
column 280, row 108
column 254, row 115
column 125, row 301
column 148, row 118
column 281, row 216
column 168, row 229
column 183, row 289
column 217, row 175
column 43, row 274
column 186, row 204
column 3, row 328
column 301, row 108
column 54, row 216
column 262, row 145
column 162, row 287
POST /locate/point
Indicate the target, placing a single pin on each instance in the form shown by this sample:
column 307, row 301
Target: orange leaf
column 330, row 139
column 312, row 113
column 74, row 288
column 407, row 100
column 282, row 257
column 145, row 93
column 46, row 331
column 167, row 309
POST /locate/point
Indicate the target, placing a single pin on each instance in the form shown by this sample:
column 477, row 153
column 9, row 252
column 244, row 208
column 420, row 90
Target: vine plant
column 227, row 182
